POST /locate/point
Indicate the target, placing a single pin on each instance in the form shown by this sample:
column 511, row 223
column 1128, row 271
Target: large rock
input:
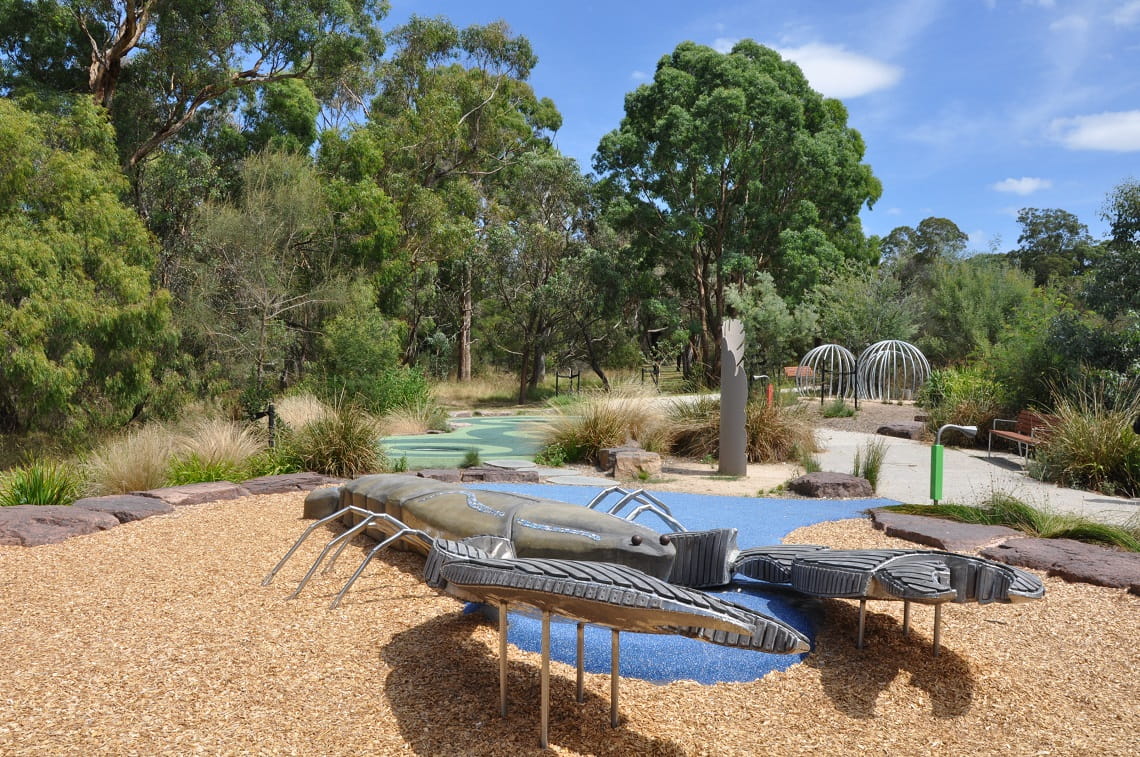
column 629, row 462
column 1071, row 560
column 321, row 503
column 33, row 525
column 489, row 474
column 289, row 482
column 901, row 430
column 939, row 532
column 196, row 494
column 831, row 485
column 125, row 507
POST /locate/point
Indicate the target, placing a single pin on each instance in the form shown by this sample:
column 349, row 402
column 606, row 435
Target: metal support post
column 614, row 659
column 503, row 625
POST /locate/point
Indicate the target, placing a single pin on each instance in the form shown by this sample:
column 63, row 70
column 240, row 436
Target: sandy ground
column 156, row 638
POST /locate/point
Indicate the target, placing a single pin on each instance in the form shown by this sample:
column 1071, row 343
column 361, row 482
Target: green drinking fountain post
column 936, row 458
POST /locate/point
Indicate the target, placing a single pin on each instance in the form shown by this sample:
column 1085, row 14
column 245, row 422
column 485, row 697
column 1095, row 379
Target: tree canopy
column 730, row 163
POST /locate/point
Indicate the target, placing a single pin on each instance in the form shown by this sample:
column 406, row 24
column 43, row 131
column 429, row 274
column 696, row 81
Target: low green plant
column 1005, row 510
column 471, row 458
column 345, row 444
column 806, row 459
column 400, row 465
column 41, row 482
column 869, row 461
column 837, row 408
column 191, row 469
column 552, row 456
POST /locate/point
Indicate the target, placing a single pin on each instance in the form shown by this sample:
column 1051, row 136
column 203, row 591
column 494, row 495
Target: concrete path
column 969, row 478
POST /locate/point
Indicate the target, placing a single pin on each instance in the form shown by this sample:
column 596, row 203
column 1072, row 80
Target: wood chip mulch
column 156, row 638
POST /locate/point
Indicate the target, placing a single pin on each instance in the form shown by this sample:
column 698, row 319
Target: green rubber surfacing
column 507, row 437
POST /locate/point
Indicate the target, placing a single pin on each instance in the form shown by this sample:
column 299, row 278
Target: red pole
column 770, row 394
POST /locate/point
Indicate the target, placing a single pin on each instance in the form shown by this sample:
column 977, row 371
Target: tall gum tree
column 155, row 64
column 731, row 163
column 453, row 112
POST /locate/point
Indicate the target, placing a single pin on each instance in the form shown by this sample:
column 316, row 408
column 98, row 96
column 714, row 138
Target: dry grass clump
column 136, row 461
column 415, row 418
column 598, row 420
column 299, row 410
column 494, row 388
column 774, row 434
column 217, row 442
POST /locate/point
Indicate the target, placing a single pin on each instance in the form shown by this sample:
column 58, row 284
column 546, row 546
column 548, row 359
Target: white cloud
column 835, row 72
column 1023, row 186
column 1070, row 24
column 639, row 76
column 1115, row 132
column 979, row 238
column 1127, row 14
column 725, row 44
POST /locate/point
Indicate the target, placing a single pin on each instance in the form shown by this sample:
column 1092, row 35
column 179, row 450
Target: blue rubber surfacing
column 661, row 658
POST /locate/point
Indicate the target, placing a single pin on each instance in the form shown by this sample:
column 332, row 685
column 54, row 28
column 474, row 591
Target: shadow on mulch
column 855, row 678
column 444, row 693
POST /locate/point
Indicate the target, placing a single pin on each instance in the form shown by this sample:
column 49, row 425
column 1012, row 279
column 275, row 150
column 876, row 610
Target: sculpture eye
column 665, row 540
column 635, row 540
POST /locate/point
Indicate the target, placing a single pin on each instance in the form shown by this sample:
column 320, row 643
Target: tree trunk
column 463, row 365
column 524, row 374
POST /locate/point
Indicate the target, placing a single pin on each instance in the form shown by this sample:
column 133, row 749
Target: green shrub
column 471, row 458
column 962, row 396
column 41, row 482
column 837, row 408
column 807, row 460
column 345, row 443
column 552, row 455
column 869, row 461
column 773, row 434
column 1091, row 445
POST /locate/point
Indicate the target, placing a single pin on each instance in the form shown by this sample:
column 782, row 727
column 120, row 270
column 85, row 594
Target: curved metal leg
column 342, row 538
column 368, row 558
column 307, row 532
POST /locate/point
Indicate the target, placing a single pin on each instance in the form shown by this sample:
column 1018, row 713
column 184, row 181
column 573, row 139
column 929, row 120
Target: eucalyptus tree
column 731, row 163
column 1052, row 243
column 452, row 113
column 536, row 226
column 1115, row 285
column 912, row 253
column 81, row 329
column 264, row 276
column 157, row 64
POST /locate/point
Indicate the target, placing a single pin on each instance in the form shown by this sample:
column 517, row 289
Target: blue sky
column 971, row 109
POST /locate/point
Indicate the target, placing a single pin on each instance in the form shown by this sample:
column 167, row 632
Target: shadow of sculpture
column 443, row 690
column 855, row 678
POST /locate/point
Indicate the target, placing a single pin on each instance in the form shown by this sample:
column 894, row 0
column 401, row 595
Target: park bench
column 797, row 371
column 1026, row 431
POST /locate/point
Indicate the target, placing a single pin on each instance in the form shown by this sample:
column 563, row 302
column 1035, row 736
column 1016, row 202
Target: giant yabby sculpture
column 594, row 566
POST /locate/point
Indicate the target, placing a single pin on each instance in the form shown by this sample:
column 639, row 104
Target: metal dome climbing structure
column 891, row 370
column 830, row 366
